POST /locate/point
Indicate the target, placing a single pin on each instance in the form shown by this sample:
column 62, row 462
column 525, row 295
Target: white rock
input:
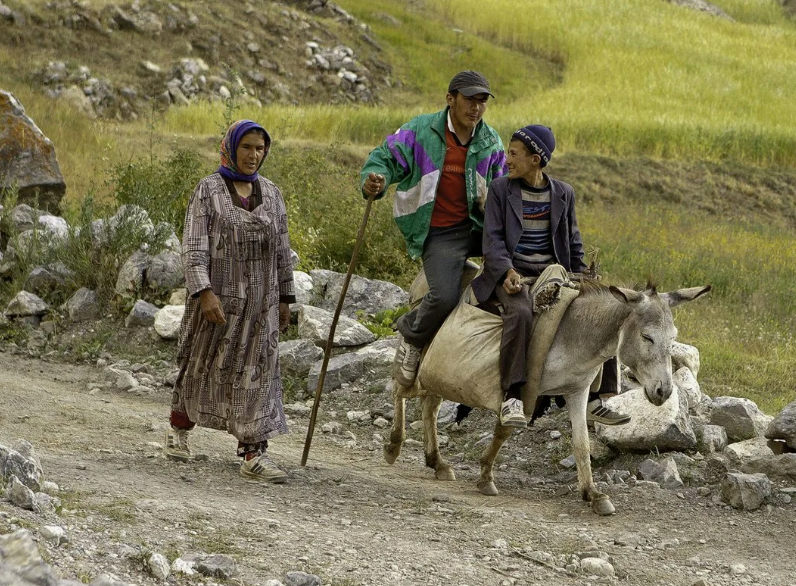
column 167, row 321
column 54, row 225
column 159, row 566
column 314, row 324
column 737, row 569
column 687, row 356
column 303, row 284
column 54, row 533
column 747, row 449
column 667, row 427
column 181, row 566
column 358, row 415
column 596, row 567
column 687, row 384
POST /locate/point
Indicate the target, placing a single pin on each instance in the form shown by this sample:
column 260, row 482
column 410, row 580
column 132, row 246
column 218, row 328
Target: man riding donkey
column 444, row 164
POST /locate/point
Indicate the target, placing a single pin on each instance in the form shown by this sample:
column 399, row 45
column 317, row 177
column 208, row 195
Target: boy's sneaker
column 512, row 414
column 407, row 359
column 177, row 444
column 262, row 468
column 596, row 411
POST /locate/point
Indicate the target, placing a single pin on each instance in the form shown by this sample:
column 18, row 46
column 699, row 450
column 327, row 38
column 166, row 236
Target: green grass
column 639, row 77
column 745, row 328
column 426, row 51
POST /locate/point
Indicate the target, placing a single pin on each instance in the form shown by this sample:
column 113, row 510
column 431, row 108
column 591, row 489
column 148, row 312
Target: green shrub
column 162, row 187
column 325, row 210
column 382, row 323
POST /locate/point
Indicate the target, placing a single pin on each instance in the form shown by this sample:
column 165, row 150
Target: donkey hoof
column 391, row 452
column 445, row 473
column 487, row 487
column 603, row 506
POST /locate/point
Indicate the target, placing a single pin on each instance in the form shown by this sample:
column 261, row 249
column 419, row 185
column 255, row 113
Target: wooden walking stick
column 328, row 350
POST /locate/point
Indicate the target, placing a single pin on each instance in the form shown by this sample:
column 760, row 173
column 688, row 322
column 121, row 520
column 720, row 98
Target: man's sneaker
column 596, row 411
column 262, row 468
column 407, row 359
column 512, row 414
column 177, row 444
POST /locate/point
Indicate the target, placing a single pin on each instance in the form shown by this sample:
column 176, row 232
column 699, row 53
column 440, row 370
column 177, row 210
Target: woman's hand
column 512, row 284
column 284, row 316
column 211, row 307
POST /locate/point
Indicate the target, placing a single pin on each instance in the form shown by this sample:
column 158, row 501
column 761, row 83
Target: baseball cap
column 469, row 83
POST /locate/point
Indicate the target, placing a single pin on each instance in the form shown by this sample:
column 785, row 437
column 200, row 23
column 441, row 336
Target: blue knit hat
column 539, row 140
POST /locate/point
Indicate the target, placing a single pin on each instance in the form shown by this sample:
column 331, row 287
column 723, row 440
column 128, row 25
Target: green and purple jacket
column 413, row 158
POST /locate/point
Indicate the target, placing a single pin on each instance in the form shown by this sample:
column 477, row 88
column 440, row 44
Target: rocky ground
column 347, row 517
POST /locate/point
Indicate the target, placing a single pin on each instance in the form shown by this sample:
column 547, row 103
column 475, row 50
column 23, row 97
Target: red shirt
column 451, row 207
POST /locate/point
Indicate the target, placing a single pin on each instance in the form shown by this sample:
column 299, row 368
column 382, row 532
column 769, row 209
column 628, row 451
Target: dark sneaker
column 512, row 414
column 407, row 360
column 177, row 444
column 596, row 411
column 262, row 468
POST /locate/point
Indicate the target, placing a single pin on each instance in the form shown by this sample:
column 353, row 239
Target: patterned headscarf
column 229, row 149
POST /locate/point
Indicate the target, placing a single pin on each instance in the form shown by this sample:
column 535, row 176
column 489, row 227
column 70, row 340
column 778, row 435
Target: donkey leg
column 486, row 482
column 600, row 503
column 398, row 433
column 429, row 405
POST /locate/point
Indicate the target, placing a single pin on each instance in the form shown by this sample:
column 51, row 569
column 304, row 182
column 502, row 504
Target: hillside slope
column 125, row 56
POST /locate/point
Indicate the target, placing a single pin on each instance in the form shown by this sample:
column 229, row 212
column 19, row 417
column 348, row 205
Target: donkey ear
column 675, row 298
column 626, row 295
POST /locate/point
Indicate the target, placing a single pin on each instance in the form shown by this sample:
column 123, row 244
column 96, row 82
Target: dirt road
column 348, row 517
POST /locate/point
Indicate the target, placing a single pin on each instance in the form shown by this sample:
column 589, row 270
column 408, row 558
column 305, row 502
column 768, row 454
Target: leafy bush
column 90, row 255
column 95, row 255
column 325, row 210
column 382, row 323
column 161, row 187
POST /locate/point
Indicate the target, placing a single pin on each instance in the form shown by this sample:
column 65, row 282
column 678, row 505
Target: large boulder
column 651, row 428
column 689, row 387
column 165, row 272
column 20, row 561
column 745, row 491
column 687, row 356
column 130, row 280
column 83, row 305
column 44, row 280
column 25, row 304
column 23, row 217
column 27, row 157
column 367, row 295
column 783, row 427
column 296, row 357
column 315, row 323
column 740, row 417
column 781, row 467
